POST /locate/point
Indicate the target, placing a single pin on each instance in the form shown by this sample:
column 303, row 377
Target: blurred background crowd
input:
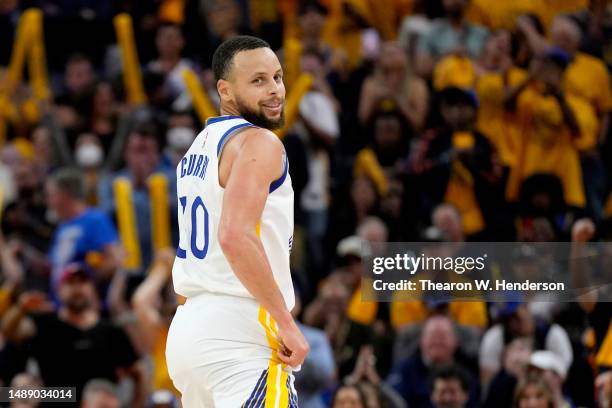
column 413, row 120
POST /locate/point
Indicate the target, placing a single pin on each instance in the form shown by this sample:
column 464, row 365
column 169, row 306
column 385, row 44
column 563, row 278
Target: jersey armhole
column 279, row 181
column 234, row 130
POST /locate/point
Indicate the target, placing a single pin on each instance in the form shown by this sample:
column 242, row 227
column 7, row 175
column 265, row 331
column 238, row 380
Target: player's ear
column 225, row 90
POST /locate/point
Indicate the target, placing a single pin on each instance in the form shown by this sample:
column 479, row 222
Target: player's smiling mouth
column 273, row 104
column 274, row 108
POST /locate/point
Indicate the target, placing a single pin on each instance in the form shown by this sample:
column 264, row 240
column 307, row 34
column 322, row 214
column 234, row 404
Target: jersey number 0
column 199, row 253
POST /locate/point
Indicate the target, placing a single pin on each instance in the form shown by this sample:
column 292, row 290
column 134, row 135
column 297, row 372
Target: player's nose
column 275, row 88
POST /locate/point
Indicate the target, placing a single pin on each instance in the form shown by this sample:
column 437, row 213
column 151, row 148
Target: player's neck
column 229, row 110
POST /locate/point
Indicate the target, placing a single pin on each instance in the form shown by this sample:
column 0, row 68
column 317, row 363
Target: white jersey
column 200, row 265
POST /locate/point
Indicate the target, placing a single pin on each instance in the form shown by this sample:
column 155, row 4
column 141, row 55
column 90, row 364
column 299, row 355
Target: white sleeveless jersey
column 200, row 265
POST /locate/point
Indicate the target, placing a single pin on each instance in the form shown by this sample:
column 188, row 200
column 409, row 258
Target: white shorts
column 221, row 353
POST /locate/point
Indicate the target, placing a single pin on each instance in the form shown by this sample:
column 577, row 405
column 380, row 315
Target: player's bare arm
column 251, row 161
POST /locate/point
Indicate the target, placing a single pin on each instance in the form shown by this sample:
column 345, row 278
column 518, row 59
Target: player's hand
column 293, row 347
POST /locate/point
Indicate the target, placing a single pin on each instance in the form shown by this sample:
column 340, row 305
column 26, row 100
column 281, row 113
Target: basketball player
column 234, row 342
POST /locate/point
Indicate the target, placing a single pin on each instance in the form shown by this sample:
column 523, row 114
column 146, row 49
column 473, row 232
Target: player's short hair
column 223, row 57
column 70, row 181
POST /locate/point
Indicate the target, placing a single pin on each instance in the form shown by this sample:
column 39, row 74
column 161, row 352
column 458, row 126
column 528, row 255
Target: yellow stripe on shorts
column 277, row 393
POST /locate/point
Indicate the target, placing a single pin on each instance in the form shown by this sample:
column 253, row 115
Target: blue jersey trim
column 216, row 119
column 279, row 182
column 229, row 133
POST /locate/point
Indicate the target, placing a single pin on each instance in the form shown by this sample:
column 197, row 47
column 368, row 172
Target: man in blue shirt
column 83, row 234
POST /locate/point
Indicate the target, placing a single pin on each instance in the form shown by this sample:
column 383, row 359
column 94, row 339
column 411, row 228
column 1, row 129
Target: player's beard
column 258, row 118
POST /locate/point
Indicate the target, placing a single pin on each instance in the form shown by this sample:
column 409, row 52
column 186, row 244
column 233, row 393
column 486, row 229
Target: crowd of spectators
column 427, row 120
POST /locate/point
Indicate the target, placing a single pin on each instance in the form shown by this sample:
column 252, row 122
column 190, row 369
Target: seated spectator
column 43, row 146
column 389, row 146
column 74, row 104
column 547, row 365
column 328, row 311
column 533, row 392
column 25, row 217
column 179, row 140
column 438, row 348
column 104, row 114
column 73, row 344
column 409, row 328
column 378, row 393
column 351, row 209
column 543, row 215
column 450, row 388
column 516, row 356
column 516, row 321
column 451, row 34
column 170, row 42
column 84, row 234
column 349, row 396
column 26, row 381
column 393, row 87
column 223, row 20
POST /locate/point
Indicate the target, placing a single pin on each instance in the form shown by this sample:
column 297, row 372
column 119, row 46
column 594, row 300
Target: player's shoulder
column 261, row 140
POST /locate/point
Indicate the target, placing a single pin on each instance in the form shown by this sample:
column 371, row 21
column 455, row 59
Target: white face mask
column 89, row 155
column 180, row 138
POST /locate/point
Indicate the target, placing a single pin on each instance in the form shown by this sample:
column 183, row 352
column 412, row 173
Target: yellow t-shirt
column 603, row 358
column 403, row 313
column 587, row 77
column 497, row 124
column 465, row 313
column 546, row 143
column 503, row 13
column 454, row 70
column 460, row 188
